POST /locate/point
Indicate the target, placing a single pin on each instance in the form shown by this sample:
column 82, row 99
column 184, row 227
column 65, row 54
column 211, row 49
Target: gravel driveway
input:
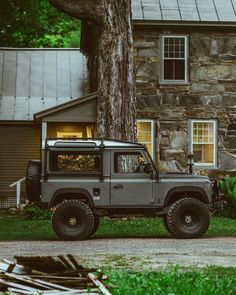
column 138, row 253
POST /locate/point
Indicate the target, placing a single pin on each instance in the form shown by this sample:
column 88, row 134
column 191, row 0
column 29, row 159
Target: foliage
column 174, row 280
column 228, row 186
column 34, row 229
column 36, row 23
column 34, row 212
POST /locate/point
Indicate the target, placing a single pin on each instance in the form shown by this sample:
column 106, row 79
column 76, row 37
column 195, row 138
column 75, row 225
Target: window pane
column 174, row 47
column 203, row 153
column 144, row 131
column 168, row 69
column 144, row 134
column 174, row 69
column 74, row 162
column 179, row 70
column 128, row 163
column 203, row 139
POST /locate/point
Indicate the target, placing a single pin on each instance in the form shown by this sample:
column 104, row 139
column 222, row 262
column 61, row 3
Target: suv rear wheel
column 188, row 218
column 73, row 220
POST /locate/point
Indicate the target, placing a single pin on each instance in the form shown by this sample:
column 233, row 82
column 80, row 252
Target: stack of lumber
column 49, row 275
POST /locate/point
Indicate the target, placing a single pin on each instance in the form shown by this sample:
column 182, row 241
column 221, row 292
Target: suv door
column 130, row 185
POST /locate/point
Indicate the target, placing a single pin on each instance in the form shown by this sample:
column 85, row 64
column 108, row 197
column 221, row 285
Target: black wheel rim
column 72, row 221
column 189, row 219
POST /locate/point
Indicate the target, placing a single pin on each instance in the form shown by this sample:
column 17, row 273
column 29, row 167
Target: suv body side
column 120, row 190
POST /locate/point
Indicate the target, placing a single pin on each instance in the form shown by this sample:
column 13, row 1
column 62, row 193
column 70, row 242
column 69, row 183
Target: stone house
column 185, row 59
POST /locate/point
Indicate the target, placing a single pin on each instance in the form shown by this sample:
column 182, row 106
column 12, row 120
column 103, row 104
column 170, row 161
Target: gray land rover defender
column 82, row 180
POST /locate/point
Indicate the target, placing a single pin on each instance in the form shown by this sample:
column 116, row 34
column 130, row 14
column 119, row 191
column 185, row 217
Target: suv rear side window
column 75, row 162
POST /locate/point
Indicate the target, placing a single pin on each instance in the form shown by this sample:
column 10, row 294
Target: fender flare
column 79, row 191
column 188, row 189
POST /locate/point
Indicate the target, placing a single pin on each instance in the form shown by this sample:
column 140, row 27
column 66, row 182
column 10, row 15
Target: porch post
column 44, row 131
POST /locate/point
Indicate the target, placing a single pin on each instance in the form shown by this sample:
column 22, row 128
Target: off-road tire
column 33, row 185
column 188, row 218
column 96, row 224
column 72, row 220
column 166, row 224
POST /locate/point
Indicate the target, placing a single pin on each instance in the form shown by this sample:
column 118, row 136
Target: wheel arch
column 182, row 192
column 70, row 194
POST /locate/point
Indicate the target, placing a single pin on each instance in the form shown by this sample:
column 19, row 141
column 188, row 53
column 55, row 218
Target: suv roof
column 88, row 143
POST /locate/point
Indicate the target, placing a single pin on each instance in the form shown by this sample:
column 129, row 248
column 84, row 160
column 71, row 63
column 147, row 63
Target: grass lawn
column 174, row 280
column 13, row 227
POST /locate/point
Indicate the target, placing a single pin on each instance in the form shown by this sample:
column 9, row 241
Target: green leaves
column 36, row 23
column 228, row 187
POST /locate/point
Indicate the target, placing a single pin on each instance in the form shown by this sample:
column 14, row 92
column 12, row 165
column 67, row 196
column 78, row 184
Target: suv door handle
column 118, row 186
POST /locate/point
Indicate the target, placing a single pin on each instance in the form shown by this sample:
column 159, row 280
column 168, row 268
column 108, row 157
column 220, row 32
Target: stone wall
column 211, row 92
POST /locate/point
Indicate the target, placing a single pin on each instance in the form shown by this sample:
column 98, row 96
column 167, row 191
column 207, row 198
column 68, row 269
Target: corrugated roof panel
column 63, row 74
column 234, row 5
column 49, row 102
column 188, row 10
column 207, row 10
column 171, row 14
column 7, row 108
column 23, row 74
column 50, row 74
column 151, row 9
column 21, row 108
column 9, row 74
column 77, row 63
column 225, row 10
column 36, row 74
column 35, row 105
column 137, row 11
column 168, row 4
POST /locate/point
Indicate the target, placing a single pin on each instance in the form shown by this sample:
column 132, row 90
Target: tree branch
column 81, row 9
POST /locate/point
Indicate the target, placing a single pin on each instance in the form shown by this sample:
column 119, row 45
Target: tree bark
column 116, row 111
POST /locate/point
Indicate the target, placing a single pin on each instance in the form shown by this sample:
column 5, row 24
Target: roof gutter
column 193, row 24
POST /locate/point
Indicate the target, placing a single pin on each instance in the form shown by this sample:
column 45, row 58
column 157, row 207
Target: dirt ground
column 139, row 253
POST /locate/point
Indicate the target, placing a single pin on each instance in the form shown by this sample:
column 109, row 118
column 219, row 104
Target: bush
column 228, row 187
column 35, row 212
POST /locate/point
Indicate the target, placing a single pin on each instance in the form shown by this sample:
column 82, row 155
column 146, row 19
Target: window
column 203, row 143
column 75, row 162
column 174, row 59
column 145, row 134
column 129, row 163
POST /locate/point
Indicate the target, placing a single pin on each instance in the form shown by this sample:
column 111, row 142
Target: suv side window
column 75, row 162
column 132, row 162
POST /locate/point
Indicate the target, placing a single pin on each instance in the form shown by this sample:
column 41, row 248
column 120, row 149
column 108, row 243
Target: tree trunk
column 116, row 111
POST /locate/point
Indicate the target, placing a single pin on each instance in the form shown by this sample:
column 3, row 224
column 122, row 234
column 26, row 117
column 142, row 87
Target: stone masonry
column 210, row 94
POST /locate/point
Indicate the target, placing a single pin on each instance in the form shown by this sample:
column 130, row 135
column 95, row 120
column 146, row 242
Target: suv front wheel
column 188, row 218
column 73, row 220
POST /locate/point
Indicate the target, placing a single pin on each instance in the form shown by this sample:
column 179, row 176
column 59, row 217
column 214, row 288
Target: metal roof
column 184, row 10
column 33, row 80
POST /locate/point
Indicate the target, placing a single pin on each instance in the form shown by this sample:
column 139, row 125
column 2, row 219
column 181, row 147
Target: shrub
column 35, row 212
column 228, row 187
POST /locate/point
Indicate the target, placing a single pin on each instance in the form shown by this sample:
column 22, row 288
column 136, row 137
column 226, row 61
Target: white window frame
column 206, row 165
column 186, row 58
column 152, row 134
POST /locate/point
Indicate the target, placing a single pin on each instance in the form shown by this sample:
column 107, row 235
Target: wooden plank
column 99, row 284
column 65, row 262
column 74, row 262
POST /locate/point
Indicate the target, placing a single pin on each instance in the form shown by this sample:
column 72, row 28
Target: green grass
column 14, row 227
column 174, row 281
